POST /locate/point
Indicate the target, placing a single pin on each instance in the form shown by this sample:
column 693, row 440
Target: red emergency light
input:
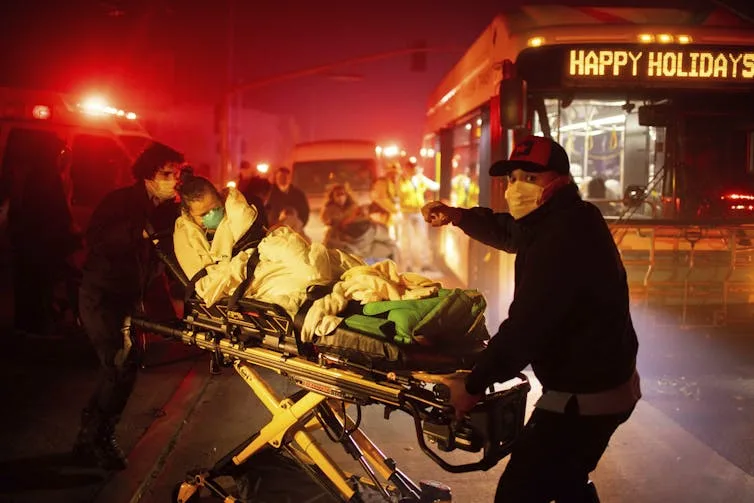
column 41, row 112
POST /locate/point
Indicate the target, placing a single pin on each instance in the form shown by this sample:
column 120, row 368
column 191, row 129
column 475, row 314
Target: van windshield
column 134, row 144
column 316, row 177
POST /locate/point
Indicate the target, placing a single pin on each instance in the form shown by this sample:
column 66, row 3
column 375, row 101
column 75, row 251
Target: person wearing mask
column 120, row 270
column 414, row 242
column 569, row 319
column 285, row 195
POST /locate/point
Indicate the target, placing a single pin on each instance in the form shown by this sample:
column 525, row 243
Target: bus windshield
column 628, row 169
column 315, row 177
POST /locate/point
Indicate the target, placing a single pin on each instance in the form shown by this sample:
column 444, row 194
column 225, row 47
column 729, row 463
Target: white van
column 318, row 165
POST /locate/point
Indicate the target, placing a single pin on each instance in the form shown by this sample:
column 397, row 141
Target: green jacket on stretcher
column 424, row 321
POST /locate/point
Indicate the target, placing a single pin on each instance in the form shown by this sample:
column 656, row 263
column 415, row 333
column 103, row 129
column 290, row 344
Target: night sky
column 167, row 52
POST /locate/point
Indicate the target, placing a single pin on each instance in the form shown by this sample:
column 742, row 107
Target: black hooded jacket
column 570, row 314
column 119, row 260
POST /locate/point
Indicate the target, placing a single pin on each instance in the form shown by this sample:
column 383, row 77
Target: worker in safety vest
column 414, row 234
column 385, row 195
column 464, row 191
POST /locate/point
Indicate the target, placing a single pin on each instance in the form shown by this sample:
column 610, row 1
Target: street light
column 223, row 109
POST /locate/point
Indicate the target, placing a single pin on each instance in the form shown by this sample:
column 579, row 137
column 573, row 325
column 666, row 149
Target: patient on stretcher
column 218, row 243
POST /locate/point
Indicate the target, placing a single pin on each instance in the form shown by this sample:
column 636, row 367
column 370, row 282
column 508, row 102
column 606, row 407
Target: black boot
column 96, row 444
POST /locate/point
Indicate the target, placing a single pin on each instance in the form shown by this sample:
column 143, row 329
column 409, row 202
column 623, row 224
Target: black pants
column 552, row 459
column 34, row 281
column 103, row 314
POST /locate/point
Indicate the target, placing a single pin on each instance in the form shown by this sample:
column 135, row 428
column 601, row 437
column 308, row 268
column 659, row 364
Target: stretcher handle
column 170, row 263
column 490, row 458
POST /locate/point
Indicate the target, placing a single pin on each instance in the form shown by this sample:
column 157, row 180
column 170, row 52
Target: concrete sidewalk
column 45, row 384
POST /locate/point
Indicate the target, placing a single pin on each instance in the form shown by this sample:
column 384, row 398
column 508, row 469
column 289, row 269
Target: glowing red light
column 41, row 112
column 738, row 197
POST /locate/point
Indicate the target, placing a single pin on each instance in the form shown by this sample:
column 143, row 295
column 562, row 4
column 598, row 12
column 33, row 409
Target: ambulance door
column 97, row 164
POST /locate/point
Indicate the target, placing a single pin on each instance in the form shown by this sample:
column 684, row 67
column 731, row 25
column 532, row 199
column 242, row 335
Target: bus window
column 315, row 177
column 464, row 190
column 96, row 164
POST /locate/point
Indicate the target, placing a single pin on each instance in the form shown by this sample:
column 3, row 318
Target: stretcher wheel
column 194, row 498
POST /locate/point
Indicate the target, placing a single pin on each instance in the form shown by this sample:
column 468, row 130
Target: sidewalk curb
column 150, row 453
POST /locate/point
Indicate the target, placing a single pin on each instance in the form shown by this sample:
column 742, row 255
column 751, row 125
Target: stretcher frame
column 248, row 333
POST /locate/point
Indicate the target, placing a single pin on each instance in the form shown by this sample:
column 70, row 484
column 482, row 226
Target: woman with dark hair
column 120, row 268
column 213, row 236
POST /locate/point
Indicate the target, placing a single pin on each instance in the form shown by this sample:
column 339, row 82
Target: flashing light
column 41, row 112
column 683, row 39
column 665, row 38
column 231, row 185
column 536, row 42
column 646, row 38
column 741, row 202
column 468, row 126
column 403, row 153
column 479, row 122
column 422, row 152
column 430, row 152
column 412, row 159
column 738, row 197
column 378, row 150
column 390, row 151
column 263, row 167
column 96, row 105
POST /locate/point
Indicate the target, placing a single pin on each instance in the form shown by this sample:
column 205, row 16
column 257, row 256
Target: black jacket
column 119, row 259
column 570, row 314
column 294, row 198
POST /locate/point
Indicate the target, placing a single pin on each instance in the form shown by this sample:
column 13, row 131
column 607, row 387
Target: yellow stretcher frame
column 327, row 385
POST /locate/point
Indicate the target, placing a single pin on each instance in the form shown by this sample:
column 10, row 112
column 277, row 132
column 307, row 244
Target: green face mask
column 211, row 220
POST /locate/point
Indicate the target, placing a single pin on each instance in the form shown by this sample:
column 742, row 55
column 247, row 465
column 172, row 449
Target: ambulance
column 102, row 140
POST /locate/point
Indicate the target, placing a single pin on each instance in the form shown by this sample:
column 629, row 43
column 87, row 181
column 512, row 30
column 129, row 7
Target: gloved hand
column 438, row 214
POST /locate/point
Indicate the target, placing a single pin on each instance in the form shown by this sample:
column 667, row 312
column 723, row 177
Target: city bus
column 653, row 106
column 318, row 165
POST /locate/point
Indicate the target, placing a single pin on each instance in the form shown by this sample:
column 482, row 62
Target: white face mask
column 163, row 190
column 523, row 198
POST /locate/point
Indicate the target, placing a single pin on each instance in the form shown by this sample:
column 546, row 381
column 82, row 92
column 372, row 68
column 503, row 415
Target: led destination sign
column 648, row 64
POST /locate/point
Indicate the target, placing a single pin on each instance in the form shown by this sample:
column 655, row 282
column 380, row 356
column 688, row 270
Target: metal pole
column 226, row 166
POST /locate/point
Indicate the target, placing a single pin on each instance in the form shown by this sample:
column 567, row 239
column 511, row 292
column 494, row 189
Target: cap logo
column 523, row 148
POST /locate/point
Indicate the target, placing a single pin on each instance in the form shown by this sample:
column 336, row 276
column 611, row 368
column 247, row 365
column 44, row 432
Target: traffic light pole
column 224, row 115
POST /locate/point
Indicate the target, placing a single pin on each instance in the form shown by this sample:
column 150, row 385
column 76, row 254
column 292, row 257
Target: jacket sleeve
column 545, row 292
column 497, row 230
column 111, row 230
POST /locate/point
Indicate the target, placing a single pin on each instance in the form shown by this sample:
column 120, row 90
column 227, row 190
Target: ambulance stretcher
column 346, row 368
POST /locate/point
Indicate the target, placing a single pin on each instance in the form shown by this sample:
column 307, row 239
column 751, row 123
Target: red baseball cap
column 535, row 154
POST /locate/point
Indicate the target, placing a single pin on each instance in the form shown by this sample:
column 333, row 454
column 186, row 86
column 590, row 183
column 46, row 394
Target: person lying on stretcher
column 216, row 237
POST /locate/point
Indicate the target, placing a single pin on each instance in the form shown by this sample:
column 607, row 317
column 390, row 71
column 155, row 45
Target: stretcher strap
column 313, row 293
column 251, row 266
column 191, row 286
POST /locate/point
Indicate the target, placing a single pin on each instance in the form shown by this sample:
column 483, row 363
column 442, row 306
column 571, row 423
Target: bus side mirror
column 655, row 115
column 513, row 103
